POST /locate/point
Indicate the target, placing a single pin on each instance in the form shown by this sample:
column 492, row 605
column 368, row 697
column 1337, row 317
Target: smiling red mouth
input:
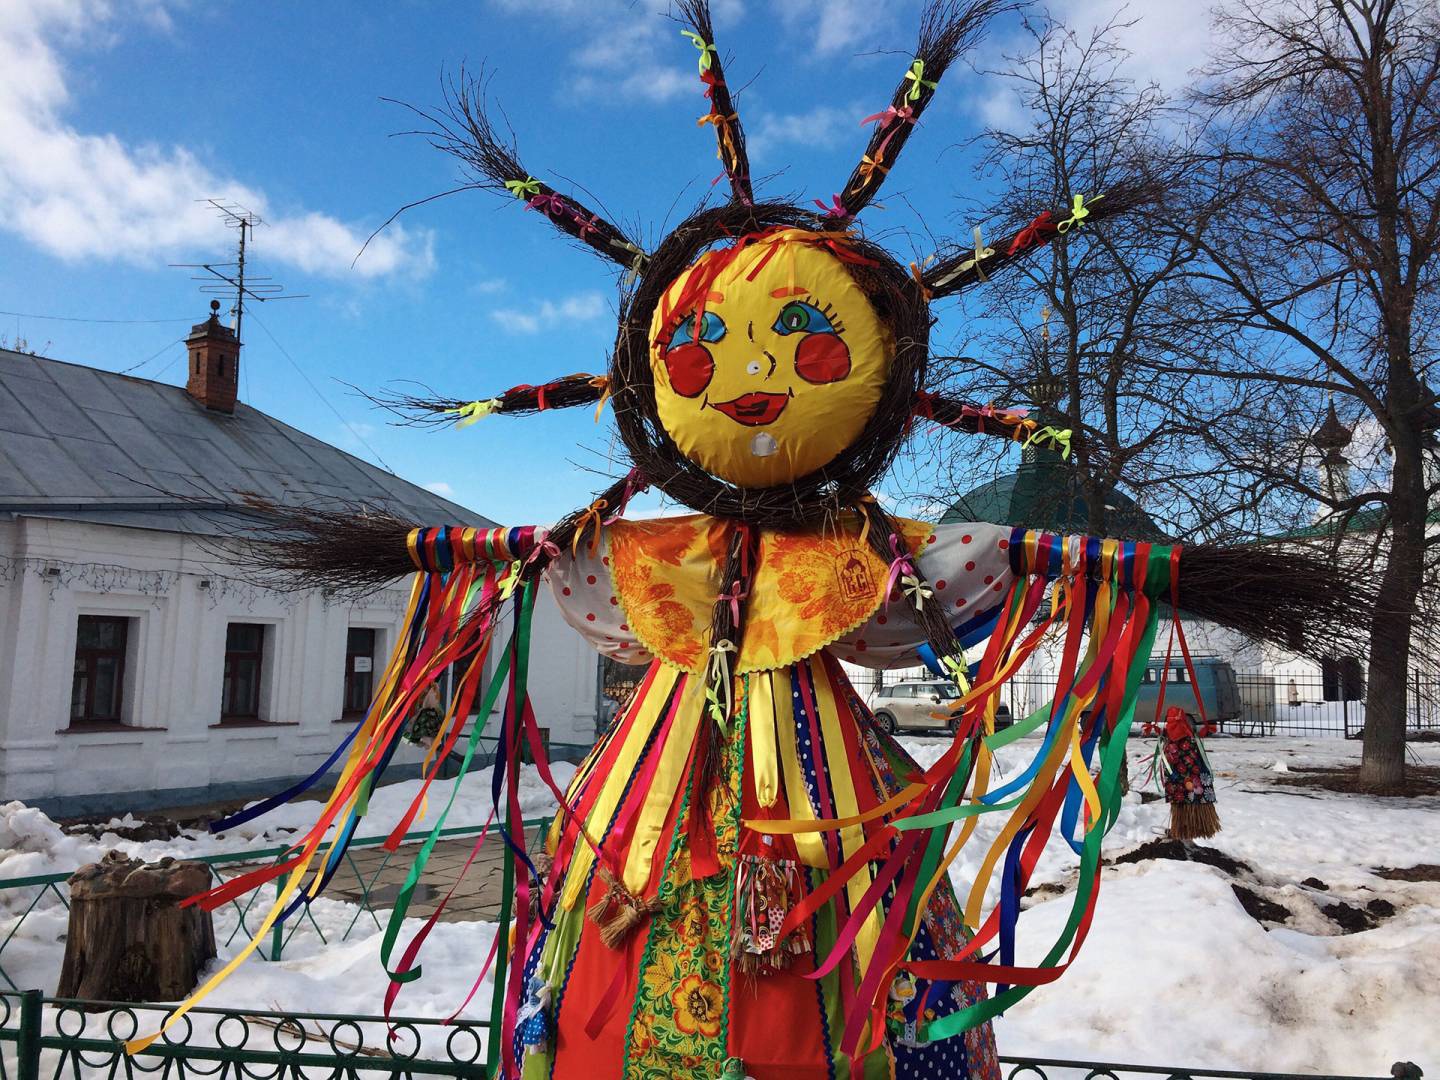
column 754, row 409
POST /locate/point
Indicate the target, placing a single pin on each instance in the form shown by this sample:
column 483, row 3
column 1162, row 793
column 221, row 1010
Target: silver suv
column 909, row 705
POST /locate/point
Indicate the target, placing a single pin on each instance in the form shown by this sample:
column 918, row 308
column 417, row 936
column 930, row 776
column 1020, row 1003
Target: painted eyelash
column 829, row 312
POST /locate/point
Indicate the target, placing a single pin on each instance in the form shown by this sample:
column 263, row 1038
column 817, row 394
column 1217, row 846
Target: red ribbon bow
column 1034, row 233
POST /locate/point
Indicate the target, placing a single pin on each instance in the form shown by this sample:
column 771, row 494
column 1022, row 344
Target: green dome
column 1045, row 494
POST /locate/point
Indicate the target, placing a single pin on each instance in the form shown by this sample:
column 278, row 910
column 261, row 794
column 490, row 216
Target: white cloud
column 441, row 488
column 488, row 286
column 823, row 127
column 1168, row 40
column 582, row 307
column 627, row 51
column 833, row 26
column 84, row 195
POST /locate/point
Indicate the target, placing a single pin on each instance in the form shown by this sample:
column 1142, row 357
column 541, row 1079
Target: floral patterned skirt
column 698, row 977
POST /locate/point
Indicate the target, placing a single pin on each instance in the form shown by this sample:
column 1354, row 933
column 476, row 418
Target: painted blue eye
column 798, row 317
column 712, row 328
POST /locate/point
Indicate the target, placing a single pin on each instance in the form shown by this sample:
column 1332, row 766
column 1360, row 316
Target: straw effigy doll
column 746, row 877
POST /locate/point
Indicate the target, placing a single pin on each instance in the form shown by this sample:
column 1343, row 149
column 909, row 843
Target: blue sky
column 116, row 116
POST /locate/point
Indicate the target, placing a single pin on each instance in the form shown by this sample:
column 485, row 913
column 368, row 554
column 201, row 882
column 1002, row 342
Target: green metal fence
column 50, row 1039
column 363, row 882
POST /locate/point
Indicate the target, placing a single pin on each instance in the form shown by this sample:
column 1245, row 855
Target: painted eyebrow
column 793, row 290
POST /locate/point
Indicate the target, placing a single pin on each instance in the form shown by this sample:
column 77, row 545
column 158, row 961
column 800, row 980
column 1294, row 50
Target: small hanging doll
column 1188, row 783
column 750, row 877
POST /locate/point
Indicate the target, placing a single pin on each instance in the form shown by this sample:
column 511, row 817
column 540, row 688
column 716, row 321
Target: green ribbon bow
column 469, row 413
column 523, row 189
column 917, row 69
column 637, row 264
column 707, row 51
column 1057, row 437
column 1078, row 213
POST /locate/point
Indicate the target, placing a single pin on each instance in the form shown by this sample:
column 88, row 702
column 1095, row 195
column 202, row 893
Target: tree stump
column 129, row 938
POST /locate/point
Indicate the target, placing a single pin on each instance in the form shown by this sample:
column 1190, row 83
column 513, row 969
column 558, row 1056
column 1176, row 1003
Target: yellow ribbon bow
column 916, row 590
column 590, row 516
column 707, row 51
column 475, row 410
column 511, row 580
column 917, row 69
column 1078, row 213
column 956, row 668
column 523, row 189
column 1056, row 437
column 722, row 134
column 601, row 383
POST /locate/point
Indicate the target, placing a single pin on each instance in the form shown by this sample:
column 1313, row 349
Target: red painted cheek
column 822, row 358
column 690, row 368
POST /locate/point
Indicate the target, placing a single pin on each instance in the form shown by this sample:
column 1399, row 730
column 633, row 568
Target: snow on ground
column 1174, row 971
column 32, row 844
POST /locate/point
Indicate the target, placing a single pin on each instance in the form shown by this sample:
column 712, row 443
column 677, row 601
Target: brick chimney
column 214, row 363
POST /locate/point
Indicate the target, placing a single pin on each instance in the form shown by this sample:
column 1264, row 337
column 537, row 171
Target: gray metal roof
column 94, row 445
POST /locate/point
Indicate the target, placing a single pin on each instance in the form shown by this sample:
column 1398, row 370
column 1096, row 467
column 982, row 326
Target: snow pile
column 1175, row 971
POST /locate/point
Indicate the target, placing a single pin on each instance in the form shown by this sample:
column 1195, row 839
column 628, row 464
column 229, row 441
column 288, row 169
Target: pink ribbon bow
column 552, row 204
column 906, row 115
column 899, row 567
column 837, row 209
column 735, row 595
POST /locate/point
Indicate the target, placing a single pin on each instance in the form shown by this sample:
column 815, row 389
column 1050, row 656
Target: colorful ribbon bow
column 1078, row 213
column 981, row 253
column 601, row 383
column 553, row 204
column 734, row 596
column 905, row 114
column 1033, row 233
column 543, row 546
column 916, row 589
column 722, row 134
column 836, row 209
column 523, row 189
column 707, row 51
column 1057, row 437
column 586, row 226
column 901, row 570
column 958, row 671
column 469, row 413
column 637, row 264
column 511, row 580
column 917, row 69
column 588, row 517
column 718, row 674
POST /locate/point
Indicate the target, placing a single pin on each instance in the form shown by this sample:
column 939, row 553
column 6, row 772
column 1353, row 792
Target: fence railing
column 1270, row 704
column 365, row 884
column 47, row 1039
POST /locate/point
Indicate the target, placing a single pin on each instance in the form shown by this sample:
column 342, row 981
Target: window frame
column 346, row 712
column 120, row 654
column 258, row 686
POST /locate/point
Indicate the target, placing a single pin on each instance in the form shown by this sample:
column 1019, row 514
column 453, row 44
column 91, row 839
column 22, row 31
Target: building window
column 244, row 662
column 359, row 670
column 98, row 689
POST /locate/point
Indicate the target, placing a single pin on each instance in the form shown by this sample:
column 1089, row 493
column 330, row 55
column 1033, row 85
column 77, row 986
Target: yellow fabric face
column 810, row 588
column 771, row 369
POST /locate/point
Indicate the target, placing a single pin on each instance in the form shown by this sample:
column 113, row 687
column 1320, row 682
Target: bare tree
column 1122, row 365
column 1321, row 234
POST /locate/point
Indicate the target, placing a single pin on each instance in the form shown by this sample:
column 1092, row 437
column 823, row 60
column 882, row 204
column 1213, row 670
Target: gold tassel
column 619, row 911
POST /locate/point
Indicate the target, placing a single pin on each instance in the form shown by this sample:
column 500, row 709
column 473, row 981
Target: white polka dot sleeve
column 582, row 587
column 968, row 566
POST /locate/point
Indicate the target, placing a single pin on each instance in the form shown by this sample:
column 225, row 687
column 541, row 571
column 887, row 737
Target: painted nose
column 765, row 367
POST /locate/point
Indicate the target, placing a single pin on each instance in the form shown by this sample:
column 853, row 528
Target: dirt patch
column 1258, row 907
column 1422, row 872
column 1349, row 918
column 1181, row 851
column 1315, row 883
column 1419, row 780
column 1046, row 890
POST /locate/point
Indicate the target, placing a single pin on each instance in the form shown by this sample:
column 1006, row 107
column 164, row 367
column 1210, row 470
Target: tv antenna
column 224, row 279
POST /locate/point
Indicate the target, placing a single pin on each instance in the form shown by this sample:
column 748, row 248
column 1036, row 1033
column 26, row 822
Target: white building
column 139, row 668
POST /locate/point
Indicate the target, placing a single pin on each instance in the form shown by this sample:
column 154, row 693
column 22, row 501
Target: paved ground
column 477, row 897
